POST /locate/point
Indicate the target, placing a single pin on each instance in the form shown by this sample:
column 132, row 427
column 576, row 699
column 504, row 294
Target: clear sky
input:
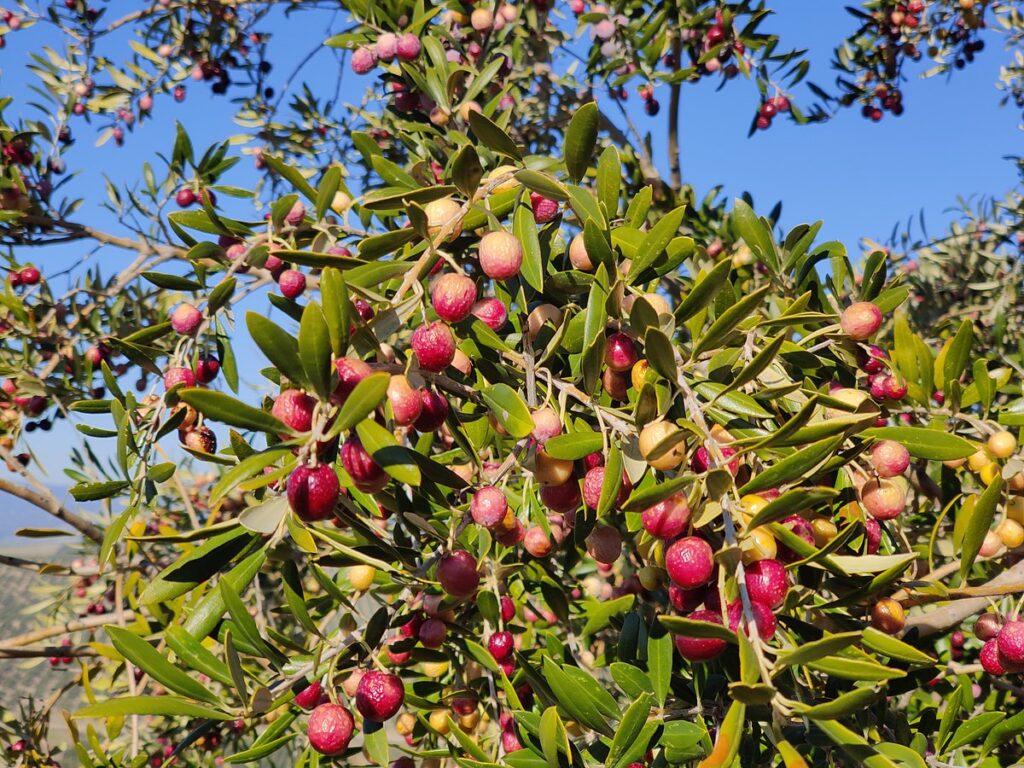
column 861, row 178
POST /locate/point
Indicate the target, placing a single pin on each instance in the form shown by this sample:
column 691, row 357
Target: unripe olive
column 888, row 616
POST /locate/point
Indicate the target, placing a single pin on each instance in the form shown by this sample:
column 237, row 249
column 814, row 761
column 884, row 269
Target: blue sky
column 859, row 177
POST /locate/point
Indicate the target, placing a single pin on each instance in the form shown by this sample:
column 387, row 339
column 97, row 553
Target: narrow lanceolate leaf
column 315, row 349
column 817, row 649
column 978, row 524
column 492, row 136
column 280, row 347
column 923, row 443
column 509, row 409
column 612, row 481
column 580, row 139
column 755, row 234
column 155, row 664
column 704, row 290
column 894, row 648
column 362, row 401
column 793, row 466
column 726, row 323
column 842, row 706
column 525, row 229
column 574, row 446
column 467, row 171
column 680, row 625
column 552, row 735
column 385, row 450
column 792, row 502
column 656, row 241
column 660, row 353
column 854, row 745
column 629, row 728
column 151, row 705
column 727, row 743
column 659, row 664
column 329, row 185
column 196, row 566
column 609, row 175
column 757, row 365
column 97, row 491
column 227, row 410
column 956, row 355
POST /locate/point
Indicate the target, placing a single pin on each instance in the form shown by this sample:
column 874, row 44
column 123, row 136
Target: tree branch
column 674, row 157
column 952, row 614
column 49, row 503
column 78, row 625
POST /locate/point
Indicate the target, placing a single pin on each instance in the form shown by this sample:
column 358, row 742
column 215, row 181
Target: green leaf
column 329, row 185
column 98, row 491
column 196, row 566
column 280, row 347
column 705, row 290
column 509, row 409
column 153, row 663
column 660, row 353
column 150, row 705
column 642, row 498
column 580, row 140
column 726, row 323
column 842, row 706
column 574, row 446
column 974, row 728
column 315, row 349
column 171, row 282
column 227, row 410
column 196, row 655
column 292, row 175
column 952, row 707
column 542, row 184
column 385, row 450
column 599, row 613
column 609, row 177
column 798, row 464
column 205, row 616
column 655, row 242
column 956, row 355
column 792, row 502
column 632, row 723
column 895, row 648
column 845, row 668
column 579, row 707
column 265, row 517
column 525, row 229
column 552, row 736
column 854, row 745
column 659, row 663
column 467, row 171
column 492, row 136
column 611, row 482
column 757, row 365
column 362, row 401
column 680, row 625
column 220, row 295
column 245, row 469
column 755, row 234
column 978, row 525
column 469, row 744
column 816, row 649
column 375, row 743
column 633, row 681
column 923, row 443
